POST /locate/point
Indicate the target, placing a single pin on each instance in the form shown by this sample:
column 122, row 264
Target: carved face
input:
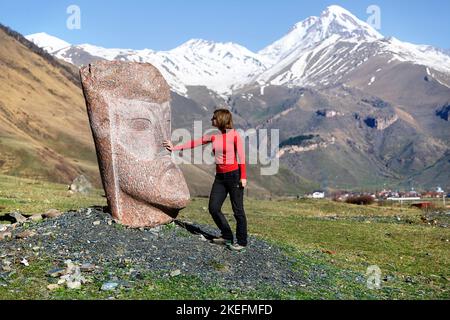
column 144, row 186
column 144, row 167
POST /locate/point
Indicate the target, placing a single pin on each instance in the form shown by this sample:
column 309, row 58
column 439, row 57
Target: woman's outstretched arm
column 189, row 145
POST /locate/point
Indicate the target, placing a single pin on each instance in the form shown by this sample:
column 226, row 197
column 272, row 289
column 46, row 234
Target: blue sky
column 165, row 24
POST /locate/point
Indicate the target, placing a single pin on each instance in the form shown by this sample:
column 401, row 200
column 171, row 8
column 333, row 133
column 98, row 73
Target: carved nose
column 174, row 188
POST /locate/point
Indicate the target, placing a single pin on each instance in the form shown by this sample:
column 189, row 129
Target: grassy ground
column 33, row 196
column 355, row 237
column 413, row 256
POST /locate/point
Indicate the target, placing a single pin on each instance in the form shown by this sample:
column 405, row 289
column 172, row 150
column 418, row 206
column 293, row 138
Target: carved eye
column 140, row 124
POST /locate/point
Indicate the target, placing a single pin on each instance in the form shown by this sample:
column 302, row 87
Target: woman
column 231, row 177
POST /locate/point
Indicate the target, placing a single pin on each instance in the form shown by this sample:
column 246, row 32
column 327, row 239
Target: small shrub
column 361, row 200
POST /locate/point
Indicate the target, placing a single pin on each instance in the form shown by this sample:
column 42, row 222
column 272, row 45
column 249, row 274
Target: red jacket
column 226, row 147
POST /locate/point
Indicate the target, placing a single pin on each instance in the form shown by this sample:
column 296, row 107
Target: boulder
column 81, row 185
column 35, row 217
column 52, row 213
column 18, row 217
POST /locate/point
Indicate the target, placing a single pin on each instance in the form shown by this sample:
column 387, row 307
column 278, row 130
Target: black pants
column 228, row 183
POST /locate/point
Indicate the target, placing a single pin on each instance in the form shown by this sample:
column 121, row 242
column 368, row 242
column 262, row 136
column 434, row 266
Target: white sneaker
column 236, row 247
column 222, row 241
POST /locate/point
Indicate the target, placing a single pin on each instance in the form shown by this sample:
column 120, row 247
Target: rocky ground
column 95, row 245
column 45, row 256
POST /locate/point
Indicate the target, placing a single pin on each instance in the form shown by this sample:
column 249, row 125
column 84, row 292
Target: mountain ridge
column 227, row 67
column 377, row 107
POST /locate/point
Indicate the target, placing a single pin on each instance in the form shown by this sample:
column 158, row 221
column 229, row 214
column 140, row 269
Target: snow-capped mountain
column 322, row 51
column 47, row 42
column 319, row 51
column 334, row 21
column 221, row 67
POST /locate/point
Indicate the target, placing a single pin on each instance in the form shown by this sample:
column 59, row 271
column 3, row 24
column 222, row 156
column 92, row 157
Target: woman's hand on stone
column 168, row 145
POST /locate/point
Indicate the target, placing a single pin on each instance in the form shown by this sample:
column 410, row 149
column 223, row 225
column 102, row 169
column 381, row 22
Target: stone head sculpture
column 129, row 111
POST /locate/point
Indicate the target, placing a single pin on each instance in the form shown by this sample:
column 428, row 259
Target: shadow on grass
column 194, row 229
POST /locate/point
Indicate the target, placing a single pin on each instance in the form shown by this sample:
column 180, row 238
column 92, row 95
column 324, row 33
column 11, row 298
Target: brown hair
column 224, row 119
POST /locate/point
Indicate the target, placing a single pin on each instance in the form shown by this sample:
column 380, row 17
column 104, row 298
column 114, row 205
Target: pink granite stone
column 130, row 115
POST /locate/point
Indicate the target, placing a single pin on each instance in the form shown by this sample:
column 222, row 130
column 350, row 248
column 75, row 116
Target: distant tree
column 361, row 200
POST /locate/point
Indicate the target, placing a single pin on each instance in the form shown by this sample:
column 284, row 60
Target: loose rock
column 81, row 185
column 25, row 262
column 55, row 273
column 5, row 235
column 87, row 267
column 35, row 217
column 7, row 266
column 52, row 287
column 74, row 285
column 52, row 213
column 175, row 273
column 73, row 277
column 109, row 286
column 18, row 217
column 25, row 234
